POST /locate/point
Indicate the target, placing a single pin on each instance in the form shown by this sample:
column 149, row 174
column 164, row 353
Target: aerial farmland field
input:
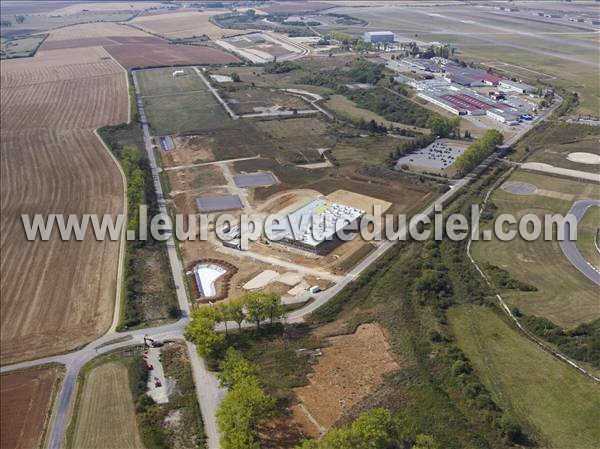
column 106, row 415
column 232, row 225
column 51, row 160
column 27, row 399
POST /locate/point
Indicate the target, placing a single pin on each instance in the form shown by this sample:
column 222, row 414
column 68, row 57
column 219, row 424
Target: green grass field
column 161, row 81
column 564, row 295
column 183, row 113
column 551, row 142
column 20, row 47
column 560, row 407
column 176, row 105
column 586, row 233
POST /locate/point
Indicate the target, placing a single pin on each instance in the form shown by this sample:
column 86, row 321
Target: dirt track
column 57, row 295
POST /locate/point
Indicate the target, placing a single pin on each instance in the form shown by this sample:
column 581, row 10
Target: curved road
column 208, row 391
column 569, row 248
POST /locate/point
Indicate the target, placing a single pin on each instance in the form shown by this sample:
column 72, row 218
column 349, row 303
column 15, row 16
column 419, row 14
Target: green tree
column 273, row 307
column 20, row 19
column 511, row 429
column 235, row 77
column 236, row 310
column 242, row 409
column 425, row 442
column 234, row 368
column 256, row 307
column 201, row 330
column 223, row 313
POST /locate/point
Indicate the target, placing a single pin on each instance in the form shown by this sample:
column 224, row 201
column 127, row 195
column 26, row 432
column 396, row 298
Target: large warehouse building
column 375, row 37
column 314, row 226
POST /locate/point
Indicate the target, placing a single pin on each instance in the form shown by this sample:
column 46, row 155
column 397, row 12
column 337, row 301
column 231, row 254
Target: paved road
column 569, row 248
column 213, row 91
column 207, row 389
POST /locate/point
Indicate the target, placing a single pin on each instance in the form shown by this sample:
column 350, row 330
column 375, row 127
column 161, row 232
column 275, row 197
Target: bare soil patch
column 148, row 55
column 196, row 178
column 350, row 368
column 188, row 150
column 25, row 406
column 252, row 100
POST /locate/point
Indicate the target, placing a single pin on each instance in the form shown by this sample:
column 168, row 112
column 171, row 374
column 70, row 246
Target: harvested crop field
column 105, row 418
column 183, row 24
column 147, row 55
column 52, row 162
column 133, row 47
column 351, row 367
column 26, row 403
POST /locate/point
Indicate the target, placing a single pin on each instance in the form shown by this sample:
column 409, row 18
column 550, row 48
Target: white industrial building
column 507, row 117
column 516, row 86
column 375, row 37
column 315, row 226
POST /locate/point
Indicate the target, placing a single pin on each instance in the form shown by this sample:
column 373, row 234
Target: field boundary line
column 122, row 249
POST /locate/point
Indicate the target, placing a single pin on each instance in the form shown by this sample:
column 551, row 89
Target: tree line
column 254, row 307
column 478, row 151
column 244, row 406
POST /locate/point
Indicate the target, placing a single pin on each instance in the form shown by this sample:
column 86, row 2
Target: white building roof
column 379, row 33
column 315, row 222
column 517, row 85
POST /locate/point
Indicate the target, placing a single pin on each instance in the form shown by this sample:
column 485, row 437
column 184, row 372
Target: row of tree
column 254, row 307
column 478, row 151
column 245, row 405
column 374, row 429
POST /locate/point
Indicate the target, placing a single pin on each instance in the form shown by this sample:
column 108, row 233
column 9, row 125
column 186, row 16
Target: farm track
column 57, row 295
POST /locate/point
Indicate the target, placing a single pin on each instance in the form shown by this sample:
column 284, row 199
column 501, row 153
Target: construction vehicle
column 151, row 343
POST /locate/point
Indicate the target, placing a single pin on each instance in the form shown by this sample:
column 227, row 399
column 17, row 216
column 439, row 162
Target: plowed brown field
column 57, row 295
column 26, row 402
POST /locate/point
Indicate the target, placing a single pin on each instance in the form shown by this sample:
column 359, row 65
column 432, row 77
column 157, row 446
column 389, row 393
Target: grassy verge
column 558, row 405
column 563, row 295
column 149, row 292
column 358, row 255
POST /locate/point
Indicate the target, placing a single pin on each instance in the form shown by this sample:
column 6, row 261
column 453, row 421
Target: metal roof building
column 378, row 36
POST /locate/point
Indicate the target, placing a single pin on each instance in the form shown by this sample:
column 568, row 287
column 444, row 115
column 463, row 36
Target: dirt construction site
column 347, row 370
column 200, row 182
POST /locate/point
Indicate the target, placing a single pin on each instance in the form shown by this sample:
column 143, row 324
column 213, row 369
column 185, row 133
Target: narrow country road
column 569, row 248
column 208, row 392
